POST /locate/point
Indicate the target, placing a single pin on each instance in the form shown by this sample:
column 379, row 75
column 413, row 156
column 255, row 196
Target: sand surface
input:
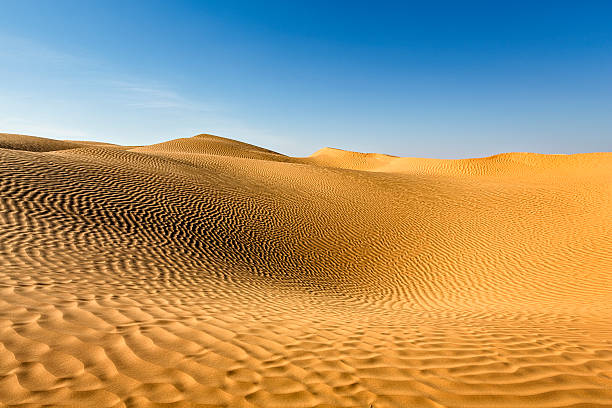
column 208, row 272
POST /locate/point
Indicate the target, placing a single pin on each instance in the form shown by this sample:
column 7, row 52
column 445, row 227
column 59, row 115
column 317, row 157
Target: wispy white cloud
column 51, row 93
column 21, row 50
column 99, row 76
column 153, row 95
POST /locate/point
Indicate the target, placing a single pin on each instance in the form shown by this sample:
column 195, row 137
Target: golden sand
column 208, row 272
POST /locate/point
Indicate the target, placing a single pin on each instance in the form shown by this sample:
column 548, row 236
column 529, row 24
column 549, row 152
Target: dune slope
column 209, row 272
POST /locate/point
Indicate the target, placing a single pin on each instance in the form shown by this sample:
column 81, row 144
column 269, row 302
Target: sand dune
column 209, row 272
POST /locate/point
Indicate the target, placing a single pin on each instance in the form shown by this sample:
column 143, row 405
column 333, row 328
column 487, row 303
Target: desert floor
column 208, row 272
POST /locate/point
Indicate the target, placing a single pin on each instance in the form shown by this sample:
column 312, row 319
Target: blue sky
column 432, row 79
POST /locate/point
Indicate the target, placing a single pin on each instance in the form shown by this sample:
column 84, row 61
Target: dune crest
column 33, row 143
column 209, row 272
column 509, row 164
column 212, row 145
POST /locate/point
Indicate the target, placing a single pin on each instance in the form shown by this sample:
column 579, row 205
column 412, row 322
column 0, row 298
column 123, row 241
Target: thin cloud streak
column 139, row 94
column 85, row 90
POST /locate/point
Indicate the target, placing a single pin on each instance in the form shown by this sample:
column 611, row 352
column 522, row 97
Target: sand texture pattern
column 212, row 273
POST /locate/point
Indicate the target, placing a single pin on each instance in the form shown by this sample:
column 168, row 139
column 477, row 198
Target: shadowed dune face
column 209, row 272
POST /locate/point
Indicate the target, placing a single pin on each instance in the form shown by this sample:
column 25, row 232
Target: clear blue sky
column 433, row 79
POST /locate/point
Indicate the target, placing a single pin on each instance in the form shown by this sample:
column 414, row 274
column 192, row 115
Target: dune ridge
column 209, row 272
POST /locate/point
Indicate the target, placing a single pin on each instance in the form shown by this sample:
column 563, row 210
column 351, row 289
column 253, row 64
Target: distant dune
column 213, row 273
